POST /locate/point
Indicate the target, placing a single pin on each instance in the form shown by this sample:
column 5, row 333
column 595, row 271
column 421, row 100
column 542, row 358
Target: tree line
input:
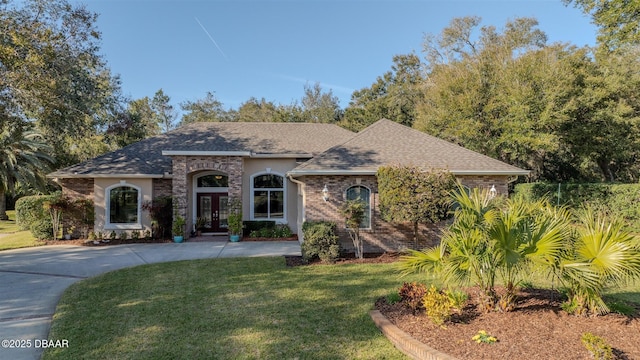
column 567, row 113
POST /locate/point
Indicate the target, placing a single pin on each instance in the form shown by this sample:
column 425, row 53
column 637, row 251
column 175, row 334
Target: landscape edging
column 404, row 342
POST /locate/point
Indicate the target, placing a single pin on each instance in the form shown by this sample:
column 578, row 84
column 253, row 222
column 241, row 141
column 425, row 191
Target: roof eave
column 296, row 173
column 104, row 176
column 204, row 153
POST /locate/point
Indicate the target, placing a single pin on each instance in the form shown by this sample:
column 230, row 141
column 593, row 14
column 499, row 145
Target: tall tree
column 319, row 106
column 602, row 126
column 52, row 71
column 138, row 121
column 254, row 110
column 393, row 96
column 208, row 109
column 163, row 109
column 507, row 87
column 618, row 20
column 24, row 158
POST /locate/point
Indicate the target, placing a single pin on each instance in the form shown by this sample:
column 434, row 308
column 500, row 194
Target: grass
column 244, row 308
column 11, row 237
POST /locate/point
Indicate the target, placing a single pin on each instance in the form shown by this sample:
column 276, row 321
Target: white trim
column 103, row 176
column 295, row 173
column 330, row 172
column 107, row 211
column 370, row 193
column 252, row 216
column 204, row 153
column 490, row 172
column 195, row 190
column 283, row 156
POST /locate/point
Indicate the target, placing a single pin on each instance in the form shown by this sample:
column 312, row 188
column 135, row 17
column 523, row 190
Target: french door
column 214, row 208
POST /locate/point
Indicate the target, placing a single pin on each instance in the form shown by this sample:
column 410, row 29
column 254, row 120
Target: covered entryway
column 211, row 201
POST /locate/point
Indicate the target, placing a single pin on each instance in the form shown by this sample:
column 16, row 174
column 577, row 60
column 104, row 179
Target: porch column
column 180, row 186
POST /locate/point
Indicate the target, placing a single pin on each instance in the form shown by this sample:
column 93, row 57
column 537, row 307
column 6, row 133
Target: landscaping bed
column 537, row 329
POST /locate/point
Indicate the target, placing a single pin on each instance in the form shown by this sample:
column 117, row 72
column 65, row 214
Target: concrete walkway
column 33, row 279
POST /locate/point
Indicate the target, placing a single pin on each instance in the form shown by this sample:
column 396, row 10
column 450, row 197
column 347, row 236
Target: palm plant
column 601, row 254
column 23, row 159
column 490, row 240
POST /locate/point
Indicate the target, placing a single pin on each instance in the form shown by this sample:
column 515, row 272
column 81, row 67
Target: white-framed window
column 123, row 204
column 268, row 197
column 359, row 192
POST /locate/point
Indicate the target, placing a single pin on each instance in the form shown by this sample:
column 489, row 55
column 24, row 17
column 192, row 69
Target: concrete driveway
column 33, row 279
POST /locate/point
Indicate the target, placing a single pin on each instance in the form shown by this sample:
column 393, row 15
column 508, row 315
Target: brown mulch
column 537, row 328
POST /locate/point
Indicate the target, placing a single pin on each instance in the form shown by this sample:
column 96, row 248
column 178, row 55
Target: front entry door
column 214, row 208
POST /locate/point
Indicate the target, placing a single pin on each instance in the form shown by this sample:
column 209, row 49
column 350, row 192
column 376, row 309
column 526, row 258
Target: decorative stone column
column 180, row 186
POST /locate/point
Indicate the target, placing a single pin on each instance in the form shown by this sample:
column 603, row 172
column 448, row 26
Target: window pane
column 123, row 205
column 213, row 181
column 363, row 194
column 261, row 204
column 276, row 204
column 268, row 181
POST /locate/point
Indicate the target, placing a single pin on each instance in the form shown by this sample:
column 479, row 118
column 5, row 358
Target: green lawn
column 240, row 308
column 11, row 237
column 244, row 308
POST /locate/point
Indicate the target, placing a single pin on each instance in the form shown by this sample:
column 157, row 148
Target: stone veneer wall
column 382, row 236
column 77, row 188
column 183, row 166
column 162, row 187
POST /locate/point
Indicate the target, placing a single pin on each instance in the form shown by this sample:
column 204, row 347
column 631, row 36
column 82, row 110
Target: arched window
column 212, row 180
column 268, row 196
column 362, row 193
column 123, row 206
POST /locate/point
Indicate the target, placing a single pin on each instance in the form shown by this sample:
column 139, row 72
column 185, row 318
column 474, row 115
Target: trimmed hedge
column 621, row 200
column 257, row 225
column 30, row 211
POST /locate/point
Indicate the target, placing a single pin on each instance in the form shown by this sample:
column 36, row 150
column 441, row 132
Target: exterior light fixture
column 325, row 193
column 493, row 192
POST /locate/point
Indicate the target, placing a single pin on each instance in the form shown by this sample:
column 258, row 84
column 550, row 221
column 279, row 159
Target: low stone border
column 404, row 342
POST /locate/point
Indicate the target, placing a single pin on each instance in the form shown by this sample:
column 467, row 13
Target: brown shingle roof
column 389, row 143
column 145, row 158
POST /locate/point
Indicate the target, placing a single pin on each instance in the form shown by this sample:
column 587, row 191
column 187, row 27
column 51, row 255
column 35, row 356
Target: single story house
column 287, row 172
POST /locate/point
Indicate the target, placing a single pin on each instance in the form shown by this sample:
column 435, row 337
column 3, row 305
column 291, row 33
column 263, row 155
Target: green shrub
column 320, row 240
column 255, row 226
column 438, row 305
column 597, row 346
column 458, row 298
column 412, row 294
column 42, row 229
column 29, row 210
column 618, row 200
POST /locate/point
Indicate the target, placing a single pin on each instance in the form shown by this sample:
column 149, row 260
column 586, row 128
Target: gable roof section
column 388, row 143
column 151, row 157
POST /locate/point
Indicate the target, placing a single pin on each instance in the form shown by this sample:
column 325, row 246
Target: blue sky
column 271, row 48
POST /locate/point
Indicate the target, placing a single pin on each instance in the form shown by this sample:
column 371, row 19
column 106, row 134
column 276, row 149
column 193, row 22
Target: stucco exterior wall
column 100, row 203
column 280, row 167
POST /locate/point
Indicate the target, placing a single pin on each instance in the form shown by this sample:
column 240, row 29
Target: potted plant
column 178, row 228
column 69, row 233
column 200, row 223
column 234, row 220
